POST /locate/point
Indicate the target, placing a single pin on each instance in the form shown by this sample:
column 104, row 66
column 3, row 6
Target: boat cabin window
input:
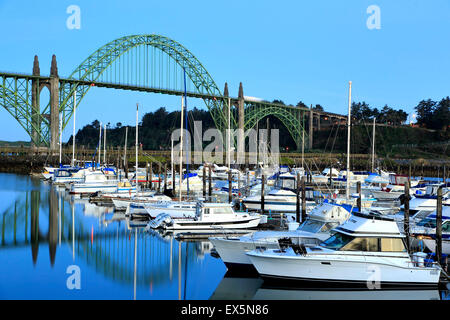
column 427, row 223
column 329, row 226
column 222, row 210
column 362, row 244
column 392, row 245
column 63, row 173
column 340, row 241
column 446, row 226
column 336, row 241
column 286, row 183
column 311, row 225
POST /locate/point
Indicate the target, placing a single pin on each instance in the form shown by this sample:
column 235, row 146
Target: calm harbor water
column 56, row 247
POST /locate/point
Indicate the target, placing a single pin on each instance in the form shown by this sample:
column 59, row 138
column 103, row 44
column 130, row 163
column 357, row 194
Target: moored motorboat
column 364, row 251
column 209, row 216
column 313, row 230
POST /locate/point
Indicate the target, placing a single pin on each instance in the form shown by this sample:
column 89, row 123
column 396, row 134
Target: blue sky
column 288, row 50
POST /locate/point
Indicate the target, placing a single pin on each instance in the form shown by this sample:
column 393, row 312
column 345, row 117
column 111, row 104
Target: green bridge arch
column 146, row 62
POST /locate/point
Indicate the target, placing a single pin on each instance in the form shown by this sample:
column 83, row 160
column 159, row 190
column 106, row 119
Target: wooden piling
column 146, row 175
column 204, row 180
column 406, row 217
column 230, row 186
column 439, row 226
column 210, row 182
column 165, row 177
column 159, row 177
column 173, row 181
column 303, row 199
column 151, row 176
column 263, row 182
column 358, row 190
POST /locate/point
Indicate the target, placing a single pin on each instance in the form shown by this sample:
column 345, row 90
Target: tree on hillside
column 301, row 104
column 318, row 107
column 425, row 110
column 278, row 101
column 441, row 115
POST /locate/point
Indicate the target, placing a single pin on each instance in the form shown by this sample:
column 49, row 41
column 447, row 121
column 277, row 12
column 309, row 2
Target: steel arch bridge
column 148, row 63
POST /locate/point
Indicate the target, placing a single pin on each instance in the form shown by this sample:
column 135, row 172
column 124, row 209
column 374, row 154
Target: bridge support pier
column 35, row 107
column 54, row 106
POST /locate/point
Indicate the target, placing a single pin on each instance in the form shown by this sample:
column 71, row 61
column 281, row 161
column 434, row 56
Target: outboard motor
column 161, row 220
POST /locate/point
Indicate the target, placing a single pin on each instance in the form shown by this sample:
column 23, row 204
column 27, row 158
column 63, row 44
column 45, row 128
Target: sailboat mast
column 137, row 132
column 100, row 144
column 73, row 136
column 181, row 146
column 373, row 144
column 228, row 134
column 125, row 162
column 104, row 145
column 171, row 155
column 347, row 191
column 60, row 138
column 187, row 149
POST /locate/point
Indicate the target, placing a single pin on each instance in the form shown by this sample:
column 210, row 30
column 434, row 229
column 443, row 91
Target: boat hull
column 245, row 223
column 366, row 272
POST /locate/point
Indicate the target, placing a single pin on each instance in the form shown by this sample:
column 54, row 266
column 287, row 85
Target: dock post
column 331, row 175
column 146, row 175
column 151, row 175
column 173, row 181
column 303, row 199
column 439, row 226
column 210, row 183
column 263, row 182
column 230, row 186
column 247, row 187
column 204, row 180
column 297, row 208
column 358, row 190
column 165, row 177
column 409, row 175
column 159, row 177
column 406, row 216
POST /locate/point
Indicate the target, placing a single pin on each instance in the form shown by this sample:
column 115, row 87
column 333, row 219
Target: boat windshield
column 427, row 223
column 314, row 226
column 336, row 241
column 311, row 225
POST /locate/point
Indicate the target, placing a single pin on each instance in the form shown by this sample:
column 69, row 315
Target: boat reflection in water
column 254, row 288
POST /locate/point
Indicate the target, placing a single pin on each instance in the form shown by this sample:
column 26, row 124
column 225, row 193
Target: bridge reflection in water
column 97, row 237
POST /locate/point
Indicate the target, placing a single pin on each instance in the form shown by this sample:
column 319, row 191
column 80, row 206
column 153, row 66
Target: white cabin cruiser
column 425, row 230
column 281, row 198
column 135, row 204
column 95, row 181
column 174, row 209
column 395, row 188
column 209, row 216
column 324, row 176
column 365, row 251
column 313, row 230
column 421, row 205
